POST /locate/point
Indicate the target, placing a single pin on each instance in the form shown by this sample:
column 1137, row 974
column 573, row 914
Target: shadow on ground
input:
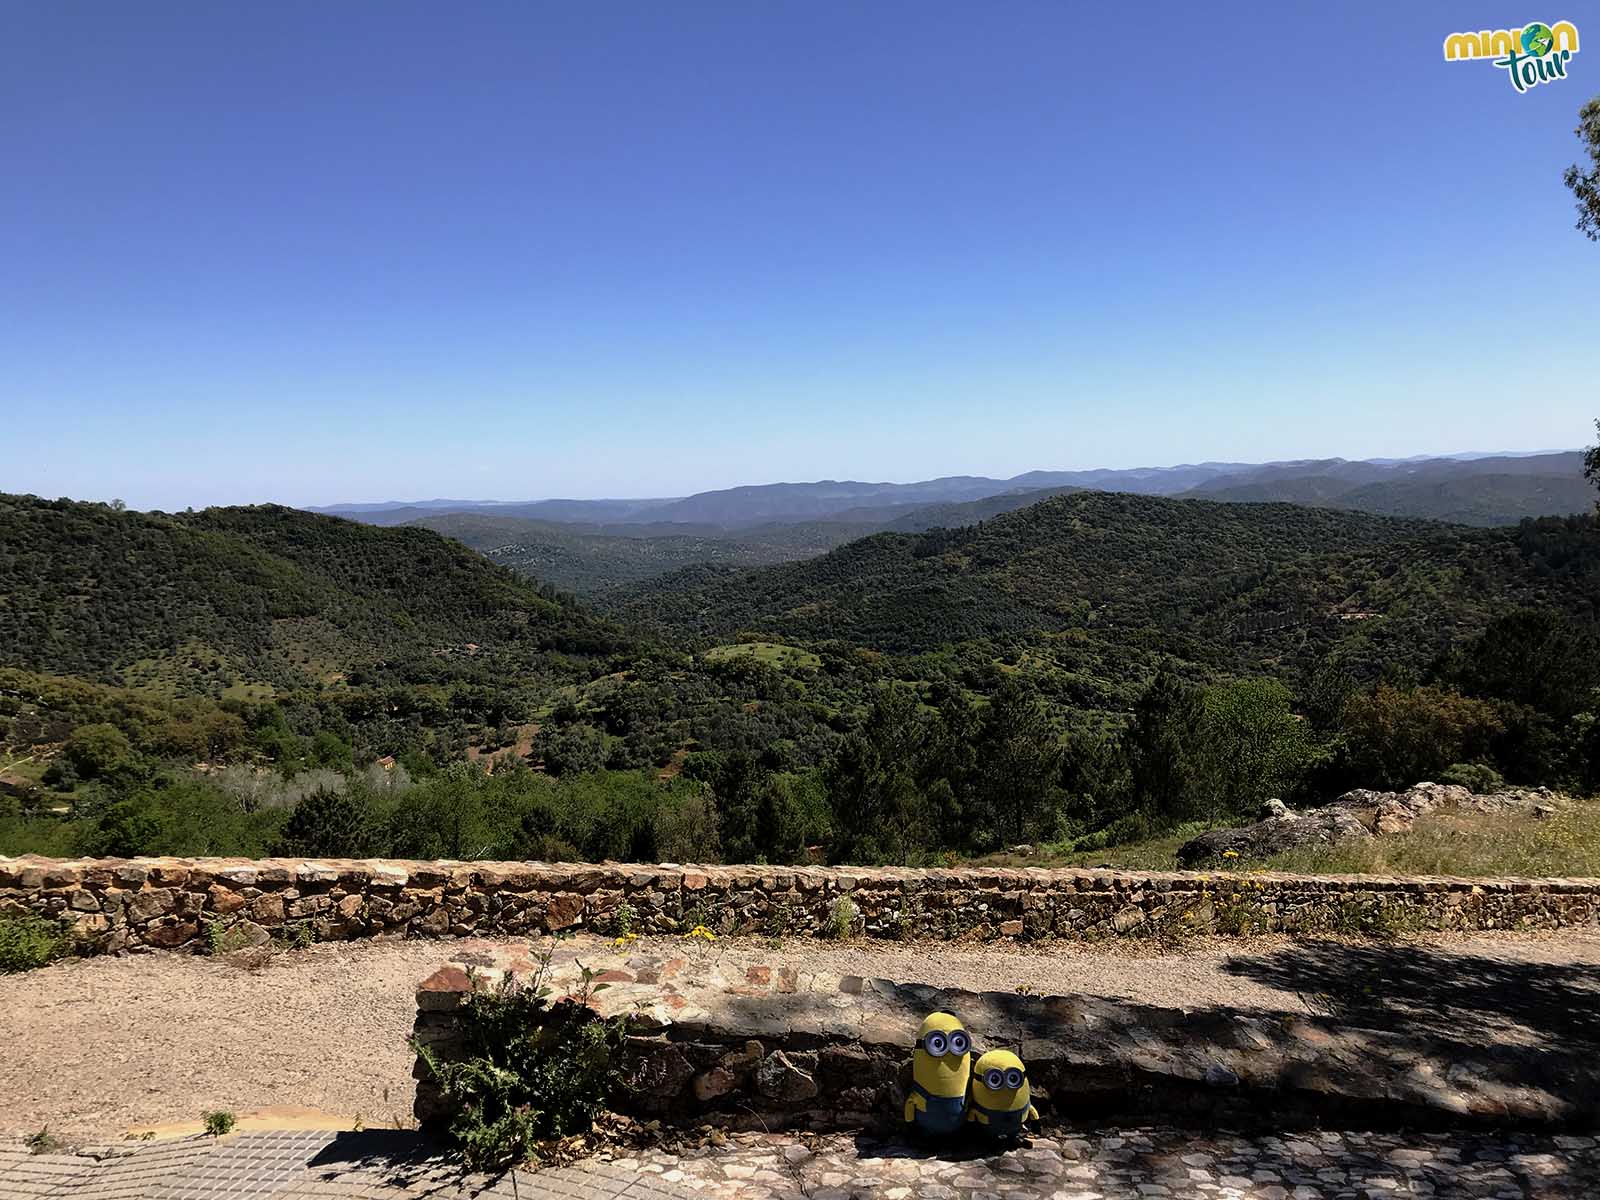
column 400, row 1159
column 1391, row 1035
column 1430, row 991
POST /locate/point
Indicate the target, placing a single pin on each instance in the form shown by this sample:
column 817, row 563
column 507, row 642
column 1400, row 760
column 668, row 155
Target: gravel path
column 92, row 1047
column 96, row 1045
column 1139, row 972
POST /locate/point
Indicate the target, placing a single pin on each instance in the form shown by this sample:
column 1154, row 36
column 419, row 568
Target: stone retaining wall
column 760, row 1046
column 112, row 905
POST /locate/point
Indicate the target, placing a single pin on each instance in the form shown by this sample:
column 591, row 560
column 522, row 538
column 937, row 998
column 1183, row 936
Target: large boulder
column 1280, row 829
column 1361, row 813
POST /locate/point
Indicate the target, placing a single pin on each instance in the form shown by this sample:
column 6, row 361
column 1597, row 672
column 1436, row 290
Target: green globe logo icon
column 1537, row 39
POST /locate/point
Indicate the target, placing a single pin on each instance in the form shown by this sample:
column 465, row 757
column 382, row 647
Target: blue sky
column 313, row 252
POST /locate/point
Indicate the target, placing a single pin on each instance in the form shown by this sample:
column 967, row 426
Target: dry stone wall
column 112, row 905
column 764, row 1045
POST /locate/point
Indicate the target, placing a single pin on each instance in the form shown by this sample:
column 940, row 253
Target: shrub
column 529, row 1071
column 1397, row 736
column 841, row 918
column 100, row 750
column 326, row 824
column 623, row 919
column 44, row 1142
column 780, row 917
column 1480, row 778
column 1252, row 746
column 1239, row 915
column 572, row 750
column 28, row 942
column 219, row 1122
column 223, row 938
column 686, row 826
column 125, row 829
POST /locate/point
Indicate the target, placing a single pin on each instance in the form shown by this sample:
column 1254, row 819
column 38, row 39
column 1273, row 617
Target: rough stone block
column 170, row 934
column 563, row 911
column 150, row 904
column 444, row 990
column 779, row 1078
column 267, row 909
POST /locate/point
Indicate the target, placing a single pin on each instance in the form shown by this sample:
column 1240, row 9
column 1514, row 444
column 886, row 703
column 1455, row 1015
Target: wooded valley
column 1060, row 666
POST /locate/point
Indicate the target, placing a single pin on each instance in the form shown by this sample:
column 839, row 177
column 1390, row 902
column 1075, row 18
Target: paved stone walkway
column 1137, row 1164
column 373, row 1165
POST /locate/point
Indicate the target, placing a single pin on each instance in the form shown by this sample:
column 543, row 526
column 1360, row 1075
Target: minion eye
column 994, row 1079
column 935, row 1044
column 1013, row 1078
column 959, row 1043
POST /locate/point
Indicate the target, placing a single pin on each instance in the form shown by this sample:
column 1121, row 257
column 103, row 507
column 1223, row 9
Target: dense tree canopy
column 1088, row 669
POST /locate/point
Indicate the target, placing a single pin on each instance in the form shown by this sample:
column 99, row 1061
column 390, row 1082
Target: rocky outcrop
column 1279, row 829
column 1357, row 814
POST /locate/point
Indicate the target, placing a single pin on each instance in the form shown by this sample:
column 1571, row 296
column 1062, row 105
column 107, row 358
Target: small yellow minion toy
column 941, row 1069
column 1001, row 1097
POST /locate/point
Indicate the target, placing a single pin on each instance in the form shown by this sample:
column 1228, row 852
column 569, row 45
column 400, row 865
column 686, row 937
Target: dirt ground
column 93, row 1047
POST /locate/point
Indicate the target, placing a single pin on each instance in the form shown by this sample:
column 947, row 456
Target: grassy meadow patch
column 772, row 654
column 1441, row 843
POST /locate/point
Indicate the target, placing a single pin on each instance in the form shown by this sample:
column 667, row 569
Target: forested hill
column 1117, row 564
column 1486, row 500
column 582, row 560
column 197, row 602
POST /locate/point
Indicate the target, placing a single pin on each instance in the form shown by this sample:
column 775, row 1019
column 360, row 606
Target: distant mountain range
column 1489, row 489
column 589, row 546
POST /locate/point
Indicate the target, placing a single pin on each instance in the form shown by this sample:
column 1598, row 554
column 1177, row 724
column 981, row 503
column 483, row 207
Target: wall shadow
column 1431, row 991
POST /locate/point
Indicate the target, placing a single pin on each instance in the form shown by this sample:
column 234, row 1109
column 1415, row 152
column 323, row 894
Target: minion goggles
column 995, row 1079
column 956, row 1043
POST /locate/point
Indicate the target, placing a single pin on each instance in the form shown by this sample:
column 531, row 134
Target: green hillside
column 1199, row 579
column 580, row 560
column 1092, row 668
column 196, row 603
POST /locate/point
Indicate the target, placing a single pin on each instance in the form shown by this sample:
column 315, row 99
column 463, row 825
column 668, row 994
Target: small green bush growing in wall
column 530, row 1071
column 223, row 938
column 624, row 920
column 28, row 942
column 841, row 918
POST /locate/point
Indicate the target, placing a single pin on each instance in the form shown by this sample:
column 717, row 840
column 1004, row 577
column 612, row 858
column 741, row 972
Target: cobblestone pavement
column 1144, row 1164
column 1136, row 1164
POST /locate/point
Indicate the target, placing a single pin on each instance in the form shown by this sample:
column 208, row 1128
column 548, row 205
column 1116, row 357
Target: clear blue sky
column 313, row 252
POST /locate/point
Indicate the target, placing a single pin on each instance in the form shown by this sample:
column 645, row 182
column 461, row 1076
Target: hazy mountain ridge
column 588, row 546
column 730, row 510
column 1485, row 491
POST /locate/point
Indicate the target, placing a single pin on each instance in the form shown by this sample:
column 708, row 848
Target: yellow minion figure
column 1001, row 1097
column 941, row 1069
